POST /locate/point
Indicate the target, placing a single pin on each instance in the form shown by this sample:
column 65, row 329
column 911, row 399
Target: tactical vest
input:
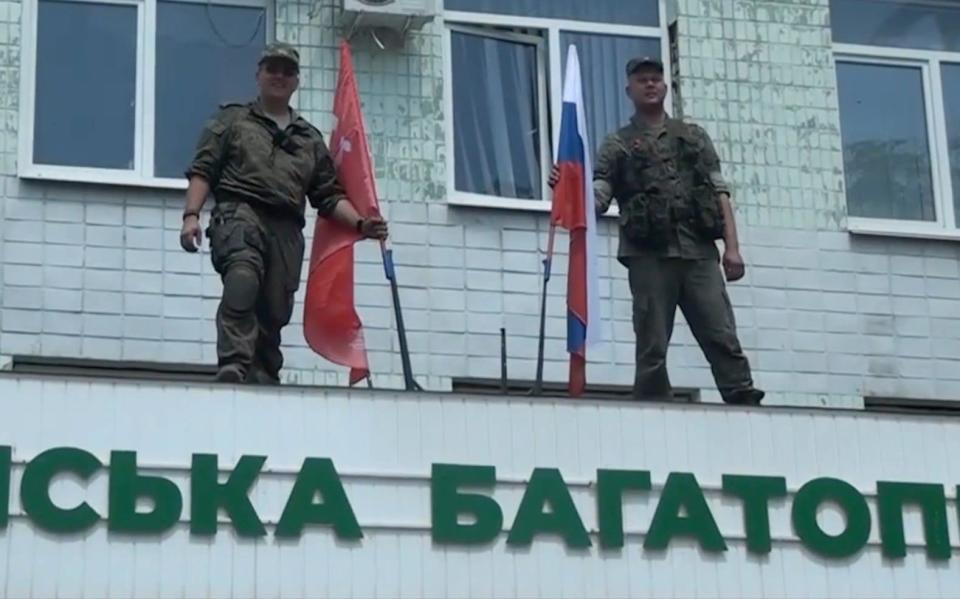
column 660, row 188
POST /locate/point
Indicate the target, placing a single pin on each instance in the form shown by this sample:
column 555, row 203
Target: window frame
column 548, row 61
column 542, row 93
column 144, row 140
column 929, row 62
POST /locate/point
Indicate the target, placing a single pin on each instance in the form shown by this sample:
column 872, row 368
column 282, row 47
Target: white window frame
column 145, row 97
column 550, row 91
column 929, row 62
column 474, row 199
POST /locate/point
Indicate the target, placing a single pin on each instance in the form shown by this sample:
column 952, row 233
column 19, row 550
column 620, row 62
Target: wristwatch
column 360, row 222
column 190, row 213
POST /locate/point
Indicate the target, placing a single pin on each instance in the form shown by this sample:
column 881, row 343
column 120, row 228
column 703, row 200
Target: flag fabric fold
column 573, row 209
column 331, row 324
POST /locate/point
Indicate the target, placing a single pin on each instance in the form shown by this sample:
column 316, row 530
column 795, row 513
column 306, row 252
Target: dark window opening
column 920, row 407
column 516, row 388
column 115, row 369
column 674, row 41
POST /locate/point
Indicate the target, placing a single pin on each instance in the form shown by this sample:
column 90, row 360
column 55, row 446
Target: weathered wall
column 824, row 311
column 96, row 271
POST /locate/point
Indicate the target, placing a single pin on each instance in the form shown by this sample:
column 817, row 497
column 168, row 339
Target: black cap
column 635, row 64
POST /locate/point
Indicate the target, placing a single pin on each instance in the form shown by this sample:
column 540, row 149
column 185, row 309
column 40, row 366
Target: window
column 117, row 91
column 496, row 105
column 638, row 12
column 888, row 168
column 898, row 77
column 602, row 60
column 950, row 77
column 504, row 77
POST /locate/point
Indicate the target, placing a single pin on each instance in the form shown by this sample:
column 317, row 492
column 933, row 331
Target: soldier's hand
column 554, row 176
column 374, row 228
column 191, row 235
column 733, row 266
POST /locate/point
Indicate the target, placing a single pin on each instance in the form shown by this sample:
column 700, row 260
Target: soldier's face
column 277, row 79
column 646, row 87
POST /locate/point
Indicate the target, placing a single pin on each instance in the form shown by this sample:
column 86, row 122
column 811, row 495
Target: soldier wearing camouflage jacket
column 262, row 161
column 674, row 204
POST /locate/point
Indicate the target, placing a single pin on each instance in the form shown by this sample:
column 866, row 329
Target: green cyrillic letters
column 848, row 498
column 318, row 474
column 756, row 493
column 463, row 510
column 5, row 464
column 611, row 484
column 546, row 486
column 126, row 485
column 447, row 503
column 35, row 489
column 682, row 491
column 208, row 495
column 931, row 498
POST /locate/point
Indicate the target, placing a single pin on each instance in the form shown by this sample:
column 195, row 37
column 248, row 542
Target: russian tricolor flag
column 574, row 209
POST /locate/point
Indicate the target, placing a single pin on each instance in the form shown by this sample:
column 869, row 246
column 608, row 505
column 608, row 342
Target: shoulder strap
column 676, row 127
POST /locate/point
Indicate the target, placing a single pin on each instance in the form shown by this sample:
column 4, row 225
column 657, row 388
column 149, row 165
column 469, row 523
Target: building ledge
column 112, row 369
column 175, row 375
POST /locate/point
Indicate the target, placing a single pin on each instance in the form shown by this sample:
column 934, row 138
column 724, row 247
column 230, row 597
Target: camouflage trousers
column 658, row 286
column 259, row 258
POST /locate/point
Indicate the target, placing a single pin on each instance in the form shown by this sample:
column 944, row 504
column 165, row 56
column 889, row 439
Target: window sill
column 94, row 176
column 892, row 228
column 490, row 202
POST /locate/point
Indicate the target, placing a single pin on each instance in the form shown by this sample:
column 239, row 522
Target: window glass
column 85, row 104
column 496, row 116
column 951, row 102
column 886, row 150
column 623, row 12
column 920, row 25
column 206, row 55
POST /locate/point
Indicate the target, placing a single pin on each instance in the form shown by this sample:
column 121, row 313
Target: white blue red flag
column 574, row 209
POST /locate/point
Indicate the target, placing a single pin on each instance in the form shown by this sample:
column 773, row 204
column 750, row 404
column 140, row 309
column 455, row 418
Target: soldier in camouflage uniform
column 674, row 205
column 261, row 160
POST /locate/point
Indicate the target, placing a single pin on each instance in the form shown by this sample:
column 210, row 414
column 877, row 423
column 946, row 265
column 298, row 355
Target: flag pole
column 547, row 264
column 409, row 383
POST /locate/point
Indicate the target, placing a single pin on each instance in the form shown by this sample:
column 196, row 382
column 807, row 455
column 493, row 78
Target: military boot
column 230, row 373
column 745, row 397
column 258, row 376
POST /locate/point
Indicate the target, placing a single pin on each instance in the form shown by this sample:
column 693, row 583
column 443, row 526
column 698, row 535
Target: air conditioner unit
column 397, row 15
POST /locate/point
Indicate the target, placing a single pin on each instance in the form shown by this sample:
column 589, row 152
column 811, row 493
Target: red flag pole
column 547, row 265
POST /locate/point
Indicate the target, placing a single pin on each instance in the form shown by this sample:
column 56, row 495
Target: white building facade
column 853, row 279
column 442, row 495
column 838, row 126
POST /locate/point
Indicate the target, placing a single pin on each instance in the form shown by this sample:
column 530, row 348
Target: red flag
column 330, row 321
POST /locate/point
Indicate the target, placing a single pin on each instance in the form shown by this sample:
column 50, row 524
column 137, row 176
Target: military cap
column 281, row 50
column 636, row 64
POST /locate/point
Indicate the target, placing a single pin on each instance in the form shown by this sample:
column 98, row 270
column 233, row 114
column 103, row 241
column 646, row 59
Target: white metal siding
column 383, row 445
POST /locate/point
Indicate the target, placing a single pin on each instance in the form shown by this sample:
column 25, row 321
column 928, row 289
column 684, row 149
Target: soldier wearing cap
column 260, row 161
column 674, row 204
